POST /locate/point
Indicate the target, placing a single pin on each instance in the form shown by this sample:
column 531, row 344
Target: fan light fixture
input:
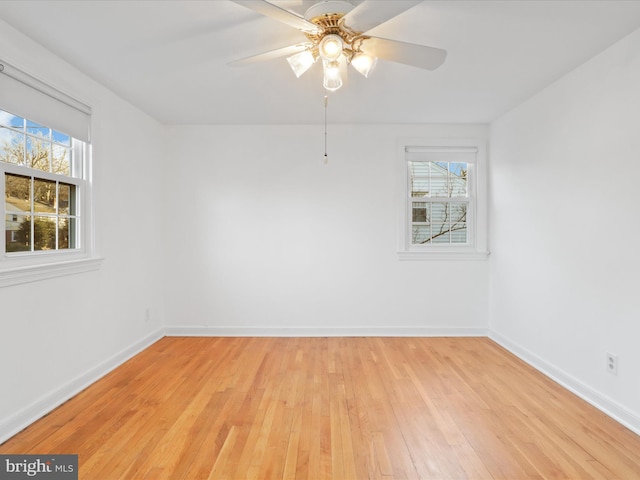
column 363, row 63
column 334, row 45
column 338, row 32
column 332, row 78
column 301, row 62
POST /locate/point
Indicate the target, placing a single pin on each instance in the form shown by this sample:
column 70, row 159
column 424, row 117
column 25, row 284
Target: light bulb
column 330, row 47
column 363, row 63
column 332, row 78
column 301, row 62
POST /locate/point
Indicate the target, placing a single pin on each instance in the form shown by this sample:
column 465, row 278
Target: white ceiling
column 170, row 57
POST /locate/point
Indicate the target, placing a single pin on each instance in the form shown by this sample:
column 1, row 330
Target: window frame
column 23, row 267
column 41, row 102
column 476, row 246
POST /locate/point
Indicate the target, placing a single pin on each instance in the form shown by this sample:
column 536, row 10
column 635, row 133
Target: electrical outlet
column 612, row 363
column 147, row 315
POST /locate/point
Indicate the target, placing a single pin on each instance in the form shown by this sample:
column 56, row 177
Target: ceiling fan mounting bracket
column 328, row 15
column 332, row 24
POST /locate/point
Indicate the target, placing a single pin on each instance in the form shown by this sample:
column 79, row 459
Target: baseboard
column 203, row 331
column 603, row 403
column 25, row 417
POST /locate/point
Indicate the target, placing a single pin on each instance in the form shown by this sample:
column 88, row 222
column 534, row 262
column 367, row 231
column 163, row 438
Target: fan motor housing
column 328, row 15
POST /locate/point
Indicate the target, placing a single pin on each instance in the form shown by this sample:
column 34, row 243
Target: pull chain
column 326, row 103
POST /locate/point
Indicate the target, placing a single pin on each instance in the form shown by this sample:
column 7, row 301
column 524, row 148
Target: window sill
column 443, row 255
column 34, row 273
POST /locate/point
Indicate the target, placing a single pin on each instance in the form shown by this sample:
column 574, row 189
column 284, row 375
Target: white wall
column 564, row 212
column 58, row 334
column 265, row 238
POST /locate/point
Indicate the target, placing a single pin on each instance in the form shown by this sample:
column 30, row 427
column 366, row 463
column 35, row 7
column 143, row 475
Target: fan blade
column 285, row 16
column 270, row 55
column 370, row 14
column 420, row 56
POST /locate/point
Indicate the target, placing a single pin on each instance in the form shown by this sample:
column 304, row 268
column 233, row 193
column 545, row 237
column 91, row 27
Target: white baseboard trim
column 25, row 417
column 203, row 331
column 603, row 403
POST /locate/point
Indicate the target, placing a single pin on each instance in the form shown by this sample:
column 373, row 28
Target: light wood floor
column 331, row 408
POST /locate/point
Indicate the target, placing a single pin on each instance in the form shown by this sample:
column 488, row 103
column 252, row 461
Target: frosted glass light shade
column 301, row 62
column 364, row 63
column 332, row 78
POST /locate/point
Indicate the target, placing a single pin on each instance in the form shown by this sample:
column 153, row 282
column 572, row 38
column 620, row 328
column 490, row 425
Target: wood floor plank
column 331, row 408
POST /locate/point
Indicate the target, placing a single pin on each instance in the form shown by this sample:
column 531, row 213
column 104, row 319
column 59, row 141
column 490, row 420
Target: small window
column 443, row 206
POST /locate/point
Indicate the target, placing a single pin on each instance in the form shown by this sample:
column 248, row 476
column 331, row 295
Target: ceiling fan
column 337, row 35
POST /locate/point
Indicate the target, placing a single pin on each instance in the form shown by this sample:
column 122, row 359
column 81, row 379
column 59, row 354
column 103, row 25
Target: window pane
column 419, row 186
column 17, row 232
column 458, row 213
column 419, row 169
column 44, row 233
column 66, row 233
column 458, row 178
column 62, row 138
column 439, row 212
column 459, row 233
column 10, row 120
column 17, row 193
column 441, row 237
column 420, row 234
column 38, row 130
column 60, row 160
column 419, row 179
column 458, row 222
column 11, row 146
column 44, row 196
column 38, row 154
column 440, row 218
column 440, row 180
column 66, row 199
column 420, row 212
column 449, row 222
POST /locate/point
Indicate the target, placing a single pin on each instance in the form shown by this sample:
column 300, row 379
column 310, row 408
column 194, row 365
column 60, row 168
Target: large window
column 443, row 206
column 45, row 180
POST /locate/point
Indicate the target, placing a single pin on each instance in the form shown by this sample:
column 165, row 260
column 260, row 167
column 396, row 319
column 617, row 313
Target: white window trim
column 17, row 269
column 477, row 248
column 44, row 271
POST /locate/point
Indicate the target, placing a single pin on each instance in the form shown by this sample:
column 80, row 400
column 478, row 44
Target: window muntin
column 42, row 181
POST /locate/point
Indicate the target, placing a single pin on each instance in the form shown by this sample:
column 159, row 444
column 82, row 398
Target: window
column 42, row 182
column 443, row 208
column 44, row 179
column 439, row 202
